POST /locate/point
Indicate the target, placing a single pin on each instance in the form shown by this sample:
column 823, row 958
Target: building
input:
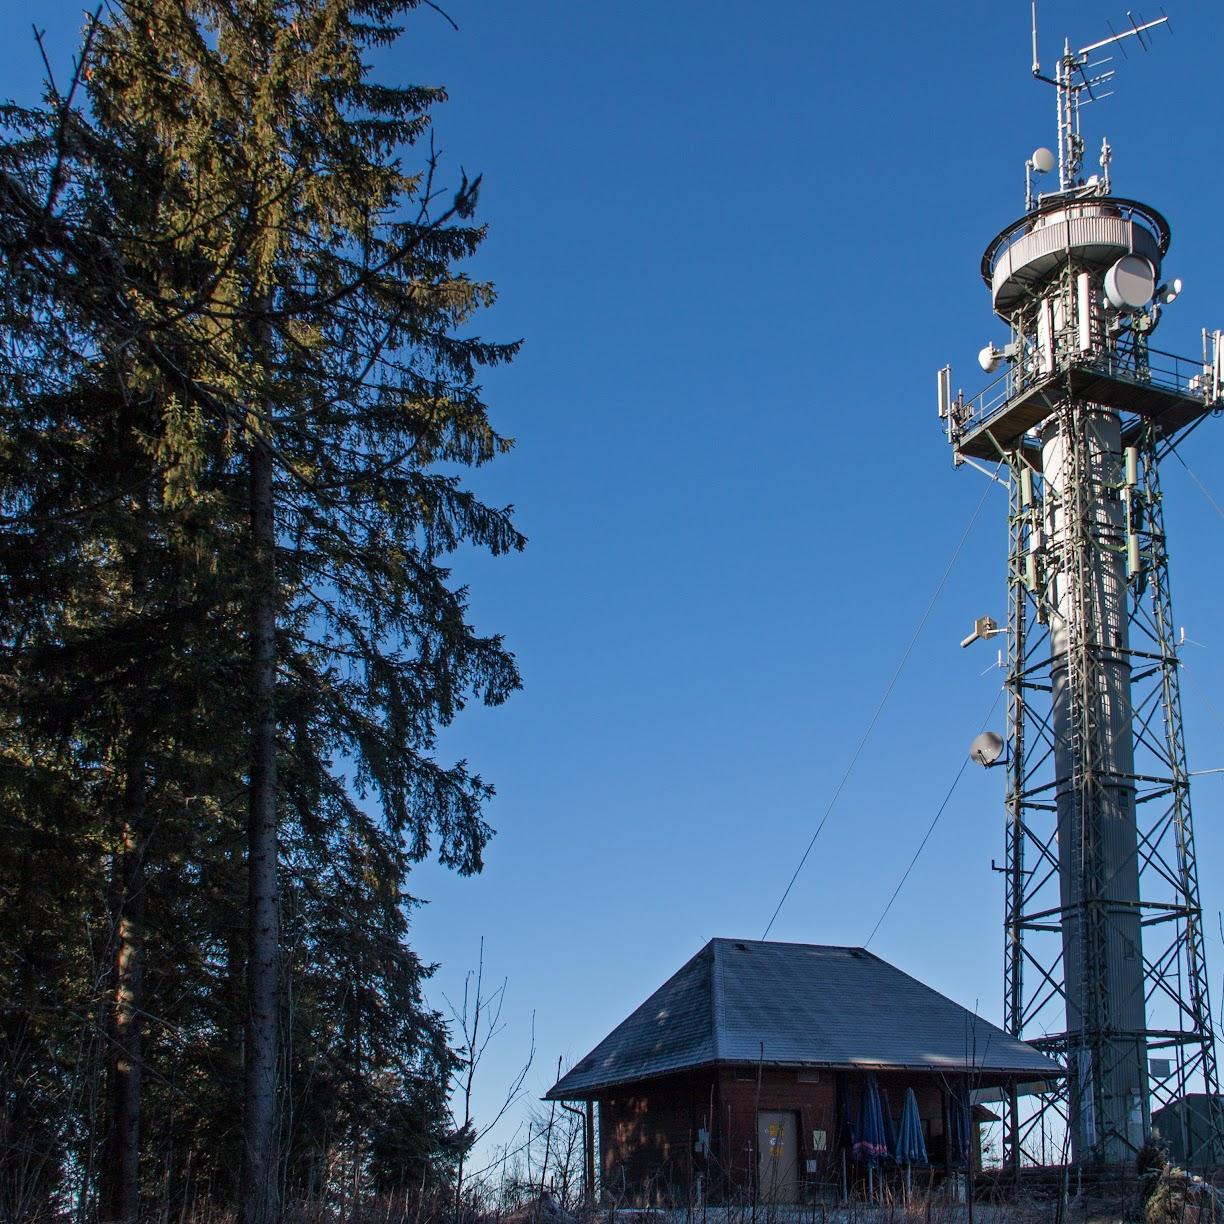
column 1183, row 1129
column 741, row 1075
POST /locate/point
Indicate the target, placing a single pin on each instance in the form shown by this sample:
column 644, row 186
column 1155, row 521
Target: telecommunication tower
column 1104, row 960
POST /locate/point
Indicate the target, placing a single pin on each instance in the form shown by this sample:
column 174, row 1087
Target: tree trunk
column 121, row 1190
column 260, row 1172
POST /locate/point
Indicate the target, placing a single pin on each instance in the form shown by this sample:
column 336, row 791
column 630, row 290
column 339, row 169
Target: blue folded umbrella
column 870, row 1143
column 958, row 1133
column 911, row 1144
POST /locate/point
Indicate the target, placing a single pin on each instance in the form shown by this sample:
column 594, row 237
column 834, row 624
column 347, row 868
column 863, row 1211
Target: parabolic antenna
column 1043, row 160
column 987, row 748
column 1130, row 283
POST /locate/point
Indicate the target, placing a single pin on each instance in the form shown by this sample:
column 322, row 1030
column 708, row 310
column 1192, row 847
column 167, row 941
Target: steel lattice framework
column 1104, row 960
column 1176, row 1001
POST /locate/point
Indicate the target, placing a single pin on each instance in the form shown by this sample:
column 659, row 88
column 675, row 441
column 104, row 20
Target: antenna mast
column 1078, row 78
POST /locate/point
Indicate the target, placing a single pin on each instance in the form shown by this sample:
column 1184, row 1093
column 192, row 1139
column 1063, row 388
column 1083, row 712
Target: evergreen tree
column 260, row 307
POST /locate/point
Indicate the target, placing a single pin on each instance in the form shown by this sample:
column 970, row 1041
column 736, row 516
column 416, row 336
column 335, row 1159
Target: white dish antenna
column 1170, row 291
column 986, row 749
column 1043, row 160
column 1130, row 283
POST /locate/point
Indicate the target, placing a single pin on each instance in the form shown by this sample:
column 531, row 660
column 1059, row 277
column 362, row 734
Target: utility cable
column 1215, row 505
column 1200, row 690
column 1188, row 672
column 960, row 773
column 943, row 581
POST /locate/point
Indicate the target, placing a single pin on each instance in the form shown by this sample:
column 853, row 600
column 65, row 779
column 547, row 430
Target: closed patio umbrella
column 911, row 1144
column 870, row 1143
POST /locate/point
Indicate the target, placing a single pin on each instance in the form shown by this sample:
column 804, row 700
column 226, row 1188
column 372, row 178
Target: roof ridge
column 794, row 943
column 716, row 997
column 926, row 986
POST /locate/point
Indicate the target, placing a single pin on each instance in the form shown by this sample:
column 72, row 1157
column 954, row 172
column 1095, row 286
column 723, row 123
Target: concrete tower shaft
column 1049, row 285
column 1094, row 765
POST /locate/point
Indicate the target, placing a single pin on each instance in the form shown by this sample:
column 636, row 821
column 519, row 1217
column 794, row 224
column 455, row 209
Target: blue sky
column 738, row 241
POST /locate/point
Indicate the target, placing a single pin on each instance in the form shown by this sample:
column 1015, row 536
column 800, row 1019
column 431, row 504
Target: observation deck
column 1092, row 230
column 1167, row 390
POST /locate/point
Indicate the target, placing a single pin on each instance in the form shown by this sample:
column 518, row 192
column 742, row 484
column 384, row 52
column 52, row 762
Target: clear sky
column 738, row 241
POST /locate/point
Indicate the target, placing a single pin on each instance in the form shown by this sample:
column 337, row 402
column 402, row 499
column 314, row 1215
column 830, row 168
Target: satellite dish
column 1043, row 160
column 986, row 749
column 1130, row 283
column 989, row 358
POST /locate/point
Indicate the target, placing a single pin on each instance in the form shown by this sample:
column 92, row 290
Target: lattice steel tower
column 1104, row 962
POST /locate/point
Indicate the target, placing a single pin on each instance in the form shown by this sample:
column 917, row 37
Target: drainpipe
column 588, row 1149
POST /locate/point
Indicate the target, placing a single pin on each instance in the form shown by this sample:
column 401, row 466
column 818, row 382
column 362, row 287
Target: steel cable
column 960, row 773
column 960, row 544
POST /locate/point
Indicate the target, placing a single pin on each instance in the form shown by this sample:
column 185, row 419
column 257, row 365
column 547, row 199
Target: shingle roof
column 806, row 1004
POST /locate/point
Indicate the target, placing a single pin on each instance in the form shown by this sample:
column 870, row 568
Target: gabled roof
column 740, row 1001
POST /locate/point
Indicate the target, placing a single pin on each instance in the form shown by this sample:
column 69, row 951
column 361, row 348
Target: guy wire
column 960, row 544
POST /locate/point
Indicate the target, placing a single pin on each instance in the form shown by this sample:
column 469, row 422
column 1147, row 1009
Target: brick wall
column 648, row 1131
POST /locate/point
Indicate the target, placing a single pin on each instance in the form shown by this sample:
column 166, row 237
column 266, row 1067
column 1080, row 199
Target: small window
column 810, row 1075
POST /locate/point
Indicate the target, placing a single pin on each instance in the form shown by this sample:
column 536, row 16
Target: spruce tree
column 244, row 258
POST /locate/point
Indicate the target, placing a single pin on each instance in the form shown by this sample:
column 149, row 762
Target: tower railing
column 1162, row 371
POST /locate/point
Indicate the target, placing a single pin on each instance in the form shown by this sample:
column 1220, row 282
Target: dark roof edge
column 1021, row 1074
column 595, row 1091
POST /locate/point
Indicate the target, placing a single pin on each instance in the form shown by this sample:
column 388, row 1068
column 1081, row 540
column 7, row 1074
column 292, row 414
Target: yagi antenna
column 1122, row 45
column 1076, row 74
column 1136, row 31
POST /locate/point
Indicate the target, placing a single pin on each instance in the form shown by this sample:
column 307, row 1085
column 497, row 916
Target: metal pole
column 589, row 1154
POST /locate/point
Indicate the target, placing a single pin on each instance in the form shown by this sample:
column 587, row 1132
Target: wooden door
column 778, row 1144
